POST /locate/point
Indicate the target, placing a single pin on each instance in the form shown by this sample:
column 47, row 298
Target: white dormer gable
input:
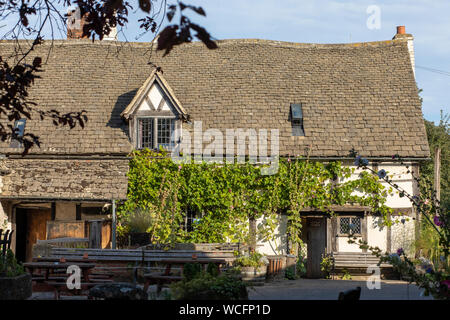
column 155, row 96
column 154, row 114
column 156, row 100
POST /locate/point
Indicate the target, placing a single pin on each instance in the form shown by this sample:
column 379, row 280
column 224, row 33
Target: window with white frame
column 153, row 133
column 349, row 225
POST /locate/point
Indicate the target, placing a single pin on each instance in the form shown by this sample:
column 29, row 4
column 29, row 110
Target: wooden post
column 113, row 225
column 252, row 234
column 95, row 234
column 437, row 173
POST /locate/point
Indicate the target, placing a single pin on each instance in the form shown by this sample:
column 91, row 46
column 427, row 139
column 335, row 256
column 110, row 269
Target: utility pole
column 437, row 173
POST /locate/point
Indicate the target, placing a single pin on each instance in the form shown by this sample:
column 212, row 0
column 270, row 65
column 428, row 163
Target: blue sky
column 327, row 21
column 332, row 21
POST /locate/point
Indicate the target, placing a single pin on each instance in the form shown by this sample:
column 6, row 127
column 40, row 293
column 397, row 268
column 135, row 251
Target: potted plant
column 15, row 283
column 253, row 267
column 137, row 224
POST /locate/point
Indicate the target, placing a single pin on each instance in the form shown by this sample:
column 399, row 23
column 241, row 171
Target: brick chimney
column 75, row 23
column 402, row 35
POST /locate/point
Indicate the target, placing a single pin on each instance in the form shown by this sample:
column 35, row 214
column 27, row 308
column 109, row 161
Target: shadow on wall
column 277, row 246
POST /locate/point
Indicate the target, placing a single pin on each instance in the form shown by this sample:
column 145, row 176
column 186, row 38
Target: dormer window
column 155, row 115
column 297, row 120
column 154, row 133
column 19, row 129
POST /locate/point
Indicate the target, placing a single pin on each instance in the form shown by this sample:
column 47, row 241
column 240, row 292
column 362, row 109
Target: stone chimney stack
column 402, row 35
column 75, row 24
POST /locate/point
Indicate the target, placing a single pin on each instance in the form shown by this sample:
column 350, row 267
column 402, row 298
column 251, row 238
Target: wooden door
column 36, row 228
column 316, row 240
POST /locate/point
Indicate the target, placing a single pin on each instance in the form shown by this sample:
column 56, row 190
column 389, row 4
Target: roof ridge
column 382, row 43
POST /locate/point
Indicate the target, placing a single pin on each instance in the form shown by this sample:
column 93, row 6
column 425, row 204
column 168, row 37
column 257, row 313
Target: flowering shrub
column 433, row 277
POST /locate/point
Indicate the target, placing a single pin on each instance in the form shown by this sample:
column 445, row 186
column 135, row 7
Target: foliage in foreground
column 433, row 277
column 208, row 286
column 9, row 266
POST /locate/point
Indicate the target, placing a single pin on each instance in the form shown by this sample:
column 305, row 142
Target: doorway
column 316, row 237
column 31, row 225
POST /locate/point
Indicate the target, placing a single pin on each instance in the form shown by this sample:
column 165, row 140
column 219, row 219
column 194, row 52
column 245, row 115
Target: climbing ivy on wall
column 226, row 196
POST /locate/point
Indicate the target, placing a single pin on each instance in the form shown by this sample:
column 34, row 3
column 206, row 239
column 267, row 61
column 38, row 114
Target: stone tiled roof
column 360, row 96
column 64, row 179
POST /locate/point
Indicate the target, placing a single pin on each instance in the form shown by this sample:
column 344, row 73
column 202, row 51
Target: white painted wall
column 376, row 232
column 278, row 245
column 402, row 235
column 344, row 246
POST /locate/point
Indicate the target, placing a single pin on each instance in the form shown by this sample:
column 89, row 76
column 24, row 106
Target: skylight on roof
column 296, row 111
column 297, row 119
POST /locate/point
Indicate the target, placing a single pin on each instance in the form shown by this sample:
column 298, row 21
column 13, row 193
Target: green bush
column 9, row 267
column 252, row 260
column 301, row 266
column 207, row 287
column 326, row 265
column 191, row 271
column 212, row 269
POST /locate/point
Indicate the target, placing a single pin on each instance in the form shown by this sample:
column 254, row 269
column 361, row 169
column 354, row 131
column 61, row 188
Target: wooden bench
column 59, row 287
column 159, row 279
column 356, row 263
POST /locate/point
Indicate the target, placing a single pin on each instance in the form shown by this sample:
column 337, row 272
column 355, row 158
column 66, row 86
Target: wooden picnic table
column 58, row 284
column 178, row 261
column 56, row 259
column 50, row 267
column 166, row 277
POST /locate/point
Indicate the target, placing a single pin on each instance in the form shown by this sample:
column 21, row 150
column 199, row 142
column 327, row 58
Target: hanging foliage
column 225, row 196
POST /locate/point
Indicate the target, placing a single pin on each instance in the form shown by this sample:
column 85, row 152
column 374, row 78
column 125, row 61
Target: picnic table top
column 54, row 265
column 190, row 260
column 56, row 259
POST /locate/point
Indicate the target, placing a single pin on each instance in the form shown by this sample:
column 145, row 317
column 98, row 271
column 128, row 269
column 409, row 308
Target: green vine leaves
column 225, row 197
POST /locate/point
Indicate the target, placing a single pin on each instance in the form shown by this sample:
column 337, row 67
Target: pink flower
column 232, row 207
column 179, row 168
column 447, row 283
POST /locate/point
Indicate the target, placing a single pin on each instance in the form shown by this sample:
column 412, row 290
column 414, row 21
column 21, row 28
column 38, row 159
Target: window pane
column 146, row 133
column 166, row 127
column 356, row 224
column 350, row 225
column 344, row 225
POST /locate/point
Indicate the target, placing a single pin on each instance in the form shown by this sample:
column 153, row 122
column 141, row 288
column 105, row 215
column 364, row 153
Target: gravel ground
column 304, row 289
column 322, row 289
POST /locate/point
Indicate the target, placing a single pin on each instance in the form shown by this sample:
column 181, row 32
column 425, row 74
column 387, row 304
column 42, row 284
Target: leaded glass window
column 166, row 127
column 350, row 225
column 153, row 133
column 146, row 133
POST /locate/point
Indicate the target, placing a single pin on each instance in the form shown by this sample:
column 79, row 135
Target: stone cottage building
column 324, row 98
